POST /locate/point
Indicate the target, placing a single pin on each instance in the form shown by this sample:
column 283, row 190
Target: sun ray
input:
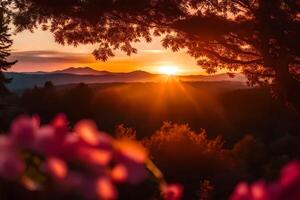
column 169, row 70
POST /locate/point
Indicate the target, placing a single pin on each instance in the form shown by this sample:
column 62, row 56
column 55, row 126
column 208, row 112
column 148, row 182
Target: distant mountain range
column 25, row 80
column 73, row 70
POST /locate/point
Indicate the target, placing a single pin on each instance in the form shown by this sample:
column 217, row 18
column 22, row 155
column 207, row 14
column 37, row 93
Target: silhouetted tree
column 48, row 85
column 5, row 44
column 261, row 38
column 76, row 102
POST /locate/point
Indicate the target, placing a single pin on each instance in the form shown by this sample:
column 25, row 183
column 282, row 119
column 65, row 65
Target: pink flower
column 94, row 156
column 289, row 182
column 290, row 174
column 119, row 173
column 56, row 167
column 287, row 188
column 11, row 166
column 82, row 184
column 60, row 121
column 30, row 184
column 91, row 187
column 241, row 192
column 73, row 180
column 46, row 142
column 60, row 125
column 103, row 161
column 87, row 131
column 257, row 191
column 89, row 134
column 172, row 192
column 136, row 172
column 131, row 150
column 23, row 130
column 132, row 156
column 105, row 189
column 5, row 143
column 70, row 146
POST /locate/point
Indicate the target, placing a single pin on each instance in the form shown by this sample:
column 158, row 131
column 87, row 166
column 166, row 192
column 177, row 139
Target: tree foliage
column 257, row 37
column 5, row 44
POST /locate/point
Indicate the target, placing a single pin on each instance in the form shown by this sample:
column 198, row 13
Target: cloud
column 152, row 51
column 36, row 57
column 50, row 60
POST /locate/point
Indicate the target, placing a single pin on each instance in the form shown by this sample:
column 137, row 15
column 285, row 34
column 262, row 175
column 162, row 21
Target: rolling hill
column 88, row 75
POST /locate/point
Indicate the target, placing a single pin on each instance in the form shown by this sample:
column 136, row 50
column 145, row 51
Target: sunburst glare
column 169, row 70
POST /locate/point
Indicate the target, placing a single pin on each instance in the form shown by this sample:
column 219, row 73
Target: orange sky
column 38, row 52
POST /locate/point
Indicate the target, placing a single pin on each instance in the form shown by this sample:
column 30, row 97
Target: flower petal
column 56, row 167
column 105, row 189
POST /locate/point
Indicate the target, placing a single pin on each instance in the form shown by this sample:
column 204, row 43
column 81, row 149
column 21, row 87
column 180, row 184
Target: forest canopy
column 257, row 37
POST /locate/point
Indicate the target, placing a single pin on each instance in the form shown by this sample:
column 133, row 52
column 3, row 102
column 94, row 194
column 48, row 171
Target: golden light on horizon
column 169, row 70
column 47, row 55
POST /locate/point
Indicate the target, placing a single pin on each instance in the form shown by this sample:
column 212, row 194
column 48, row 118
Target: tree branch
column 230, row 60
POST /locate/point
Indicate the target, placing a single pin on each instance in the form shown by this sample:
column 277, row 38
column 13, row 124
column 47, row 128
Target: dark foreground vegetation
column 207, row 136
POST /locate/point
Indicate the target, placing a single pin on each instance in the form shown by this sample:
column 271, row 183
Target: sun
column 169, row 70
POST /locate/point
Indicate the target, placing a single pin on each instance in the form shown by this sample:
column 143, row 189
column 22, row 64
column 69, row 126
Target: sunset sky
column 38, row 52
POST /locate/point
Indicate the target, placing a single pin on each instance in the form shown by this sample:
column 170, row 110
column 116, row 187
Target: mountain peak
column 81, row 71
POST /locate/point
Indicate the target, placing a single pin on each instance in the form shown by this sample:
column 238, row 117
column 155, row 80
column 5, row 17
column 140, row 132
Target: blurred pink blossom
column 119, row 173
column 85, row 159
column 60, row 122
column 105, row 189
column 56, row 167
column 94, row 156
column 89, row 134
column 11, row 166
column 256, row 191
column 45, row 141
column 286, row 188
column 172, row 191
column 132, row 156
column 23, row 130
